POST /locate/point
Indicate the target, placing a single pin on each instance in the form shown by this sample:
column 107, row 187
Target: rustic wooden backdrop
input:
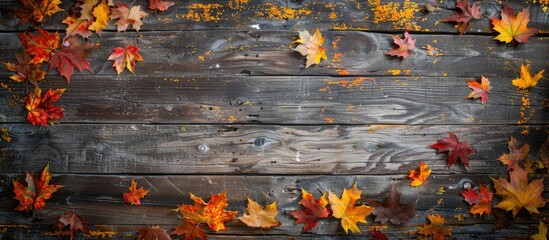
column 221, row 102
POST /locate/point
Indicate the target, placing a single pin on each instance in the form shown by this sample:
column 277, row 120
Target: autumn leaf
column 127, row 16
column 519, row 193
column 72, row 55
column 212, row 213
column 502, row 219
column 190, row 230
column 377, row 235
column 345, row 209
column 312, row 211
column 36, row 10
column 436, row 228
column 480, row 90
column 37, row 191
column 40, row 46
column 419, row 176
column 516, row 154
column 125, row 58
column 75, row 221
column 41, row 108
column 404, row 46
column 25, row 70
column 311, row 46
column 542, row 232
column 133, row 197
column 259, row 217
column 77, row 26
column 526, row 80
column 153, row 233
column 462, row 18
column 101, row 16
column 513, row 27
column 392, row 210
column 455, row 149
column 480, row 199
column 92, row 17
column 159, row 5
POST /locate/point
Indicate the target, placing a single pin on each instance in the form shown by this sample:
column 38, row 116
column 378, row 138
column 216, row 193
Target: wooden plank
column 99, row 199
column 286, row 100
column 254, row 149
column 380, row 15
column 222, row 53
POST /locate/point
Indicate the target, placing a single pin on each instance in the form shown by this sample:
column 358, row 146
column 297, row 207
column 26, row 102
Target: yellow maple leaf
column 101, row 14
column 526, row 80
column 518, row 193
column 542, row 232
column 513, row 27
column 260, row 217
column 345, row 209
column 436, row 228
column 311, row 46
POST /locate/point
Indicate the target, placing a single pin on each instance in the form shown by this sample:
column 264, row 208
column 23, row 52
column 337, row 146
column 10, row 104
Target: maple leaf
column 213, row 213
column 77, row 26
column 455, row 149
column 481, row 200
column 125, row 58
column 37, row 10
column 480, row 90
column 436, row 228
column 135, row 194
column 377, row 235
column 159, row 5
column 25, row 70
column 502, row 219
column 404, row 46
column 513, row 27
column 72, row 55
column 101, row 15
column 542, row 232
column 516, row 154
column 37, row 191
column 518, row 193
column 40, row 46
column 41, row 108
column 260, row 217
column 345, row 209
column 526, row 80
column 467, row 13
column 153, row 233
column 92, row 17
column 419, row 176
column 392, row 210
column 312, row 211
column 127, row 16
column 190, row 230
column 311, row 46
column 75, row 221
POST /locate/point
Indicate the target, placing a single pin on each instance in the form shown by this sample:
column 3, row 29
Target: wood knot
column 203, row 148
column 261, row 142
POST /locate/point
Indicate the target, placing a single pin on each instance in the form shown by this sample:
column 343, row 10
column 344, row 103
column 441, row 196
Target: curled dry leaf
column 404, row 46
column 455, row 149
column 37, row 191
column 518, row 193
column 25, row 70
column 313, row 210
column 513, row 27
column 344, row 208
column 75, row 221
column 133, row 197
column 125, row 58
column 480, row 200
column 516, row 154
column 436, row 228
column 153, row 233
column 392, row 210
column 480, row 90
column 191, row 231
column 212, row 213
column 41, row 108
column 127, row 16
column 526, row 80
column 36, row 11
column 419, row 176
column 466, row 14
column 311, row 46
column 259, row 217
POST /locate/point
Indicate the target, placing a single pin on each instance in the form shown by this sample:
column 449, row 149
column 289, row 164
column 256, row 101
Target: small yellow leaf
column 526, row 80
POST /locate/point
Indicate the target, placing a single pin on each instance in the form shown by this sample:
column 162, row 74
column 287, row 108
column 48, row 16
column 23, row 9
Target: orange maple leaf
column 41, row 108
column 41, row 46
column 133, row 197
column 260, row 217
column 481, row 200
column 419, row 176
column 212, row 213
column 480, row 90
column 436, row 228
column 37, row 10
column 190, row 230
column 25, row 70
column 516, row 154
column 526, row 80
column 311, row 46
column 125, row 58
column 518, row 193
column 513, row 27
column 127, row 16
column 345, row 209
column 37, row 191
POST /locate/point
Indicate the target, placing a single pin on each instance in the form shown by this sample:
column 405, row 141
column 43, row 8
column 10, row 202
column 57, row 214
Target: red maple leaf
column 37, row 191
column 516, row 154
column 191, row 231
column 72, row 55
column 153, row 233
column 312, row 211
column 133, row 197
column 41, row 108
column 468, row 12
column 125, row 58
column 377, row 235
column 404, row 46
column 455, row 149
column 481, row 200
column 41, row 45
column 159, row 5
column 480, row 90
column 75, row 221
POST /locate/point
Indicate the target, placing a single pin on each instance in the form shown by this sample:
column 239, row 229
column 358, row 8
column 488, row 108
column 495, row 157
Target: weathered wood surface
column 255, row 149
column 98, row 198
column 299, row 14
